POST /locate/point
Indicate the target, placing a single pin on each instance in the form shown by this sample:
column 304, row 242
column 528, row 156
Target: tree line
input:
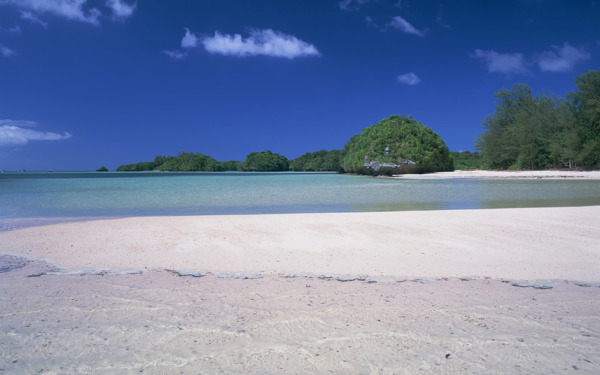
column 543, row 131
column 197, row 162
column 526, row 131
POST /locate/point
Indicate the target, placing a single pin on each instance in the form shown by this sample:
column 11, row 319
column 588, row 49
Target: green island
column 526, row 131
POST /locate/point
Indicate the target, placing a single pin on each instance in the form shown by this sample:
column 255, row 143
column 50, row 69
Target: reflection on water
column 76, row 195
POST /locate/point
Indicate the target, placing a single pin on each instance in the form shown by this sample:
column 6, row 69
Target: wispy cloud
column 7, row 52
column 71, row 9
column 401, row 24
column 16, row 133
column 175, row 54
column 31, row 17
column 562, row 59
column 189, row 40
column 410, row 79
column 14, row 30
column 20, row 123
column 120, row 9
column 260, row 42
column 506, row 63
column 353, row 4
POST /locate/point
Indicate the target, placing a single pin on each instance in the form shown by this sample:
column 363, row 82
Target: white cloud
column 71, row 9
column 507, row 63
column 175, row 54
column 400, row 23
column 29, row 16
column 352, row 4
column 562, row 59
column 260, row 42
column 15, row 133
column 189, row 40
column 120, row 9
column 7, row 52
column 19, row 123
column 410, row 79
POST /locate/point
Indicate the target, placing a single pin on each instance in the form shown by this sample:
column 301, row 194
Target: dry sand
column 522, row 244
column 487, row 174
column 160, row 322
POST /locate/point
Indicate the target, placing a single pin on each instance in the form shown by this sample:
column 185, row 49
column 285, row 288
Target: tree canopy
column 398, row 144
column 265, row 161
column 185, row 161
column 466, row 160
column 543, row 131
column 318, row 161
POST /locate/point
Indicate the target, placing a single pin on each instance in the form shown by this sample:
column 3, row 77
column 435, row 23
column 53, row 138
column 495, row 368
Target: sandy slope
column 524, row 244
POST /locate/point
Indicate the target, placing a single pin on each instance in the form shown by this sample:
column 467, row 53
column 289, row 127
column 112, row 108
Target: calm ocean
column 60, row 196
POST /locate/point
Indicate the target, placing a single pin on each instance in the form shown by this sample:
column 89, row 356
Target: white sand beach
column 520, row 244
column 488, row 174
column 424, row 292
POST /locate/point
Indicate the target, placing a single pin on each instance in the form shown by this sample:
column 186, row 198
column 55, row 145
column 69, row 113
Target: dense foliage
column 398, row 144
column 543, row 131
column 193, row 162
column 466, row 160
column 144, row 165
column 585, row 106
column 318, row 161
column 185, row 161
column 265, row 161
column 102, row 169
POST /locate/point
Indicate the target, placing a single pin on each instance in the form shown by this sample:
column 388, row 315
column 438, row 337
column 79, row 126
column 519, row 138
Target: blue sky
column 86, row 83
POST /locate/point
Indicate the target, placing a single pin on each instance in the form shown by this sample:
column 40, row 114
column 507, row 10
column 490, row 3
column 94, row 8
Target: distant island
column 398, row 144
column 525, row 132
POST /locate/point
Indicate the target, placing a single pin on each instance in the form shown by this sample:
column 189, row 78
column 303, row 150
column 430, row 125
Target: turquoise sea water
column 62, row 196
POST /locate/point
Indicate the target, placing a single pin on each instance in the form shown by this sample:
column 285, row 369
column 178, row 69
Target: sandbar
column 432, row 292
column 522, row 244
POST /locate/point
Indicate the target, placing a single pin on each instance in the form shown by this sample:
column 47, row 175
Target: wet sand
column 159, row 322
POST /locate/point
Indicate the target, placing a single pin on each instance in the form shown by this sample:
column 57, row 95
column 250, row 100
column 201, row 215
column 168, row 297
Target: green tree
column 466, row 160
column 318, row 161
column 193, row 162
column 265, row 161
column 524, row 132
column 184, row 162
column 585, row 105
column 398, row 144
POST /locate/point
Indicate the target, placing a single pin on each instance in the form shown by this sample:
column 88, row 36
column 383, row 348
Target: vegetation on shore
column 524, row 132
column 398, row 144
column 466, row 160
column 544, row 131
column 184, row 162
column 319, row 161
column 265, row 161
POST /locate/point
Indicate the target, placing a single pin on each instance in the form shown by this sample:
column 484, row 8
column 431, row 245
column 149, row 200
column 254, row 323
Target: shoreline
column 509, row 175
column 513, row 244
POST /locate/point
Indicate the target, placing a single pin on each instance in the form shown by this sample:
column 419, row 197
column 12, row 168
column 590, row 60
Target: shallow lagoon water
column 60, row 196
